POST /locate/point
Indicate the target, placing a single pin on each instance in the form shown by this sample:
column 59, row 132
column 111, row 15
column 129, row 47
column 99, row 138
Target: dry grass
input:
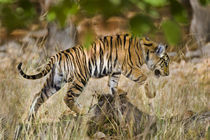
column 187, row 88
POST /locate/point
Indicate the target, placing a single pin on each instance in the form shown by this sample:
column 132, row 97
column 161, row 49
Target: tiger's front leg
column 74, row 91
column 113, row 83
column 137, row 76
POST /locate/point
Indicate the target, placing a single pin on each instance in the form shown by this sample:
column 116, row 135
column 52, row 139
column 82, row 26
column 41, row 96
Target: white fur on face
column 150, row 64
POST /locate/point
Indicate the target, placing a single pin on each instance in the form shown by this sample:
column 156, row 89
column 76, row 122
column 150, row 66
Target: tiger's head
column 155, row 57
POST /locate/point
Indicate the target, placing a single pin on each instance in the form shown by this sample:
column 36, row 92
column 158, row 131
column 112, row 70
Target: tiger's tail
column 44, row 72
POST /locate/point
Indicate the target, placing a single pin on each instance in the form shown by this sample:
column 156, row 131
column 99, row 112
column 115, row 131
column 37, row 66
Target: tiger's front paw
column 149, row 93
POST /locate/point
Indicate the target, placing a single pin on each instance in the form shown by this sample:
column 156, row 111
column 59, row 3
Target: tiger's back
column 108, row 54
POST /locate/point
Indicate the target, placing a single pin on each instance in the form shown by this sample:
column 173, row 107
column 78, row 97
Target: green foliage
column 6, row 1
column 17, row 14
column 115, row 2
column 208, row 133
column 141, row 24
column 204, row 2
column 106, row 8
column 140, row 4
column 89, row 36
column 178, row 12
column 62, row 11
column 156, row 2
column 20, row 13
column 171, row 31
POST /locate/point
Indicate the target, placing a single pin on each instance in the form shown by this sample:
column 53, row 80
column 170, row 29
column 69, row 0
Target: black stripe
column 96, row 70
column 78, row 58
column 78, row 87
column 147, row 57
column 116, row 73
column 128, row 75
column 115, row 76
column 124, row 40
column 101, row 58
column 90, row 66
column 32, row 76
column 70, row 95
column 108, row 65
column 76, row 61
column 137, row 53
column 85, row 63
column 102, row 41
column 136, row 80
column 75, row 94
column 129, row 51
column 111, row 48
column 74, row 48
column 116, row 55
column 57, row 56
column 66, row 54
column 42, row 97
column 83, row 82
column 119, row 41
column 68, row 63
column 60, row 59
column 149, row 44
column 111, row 41
column 105, row 41
column 114, row 81
column 112, row 89
column 78, row 75
column 104, row 71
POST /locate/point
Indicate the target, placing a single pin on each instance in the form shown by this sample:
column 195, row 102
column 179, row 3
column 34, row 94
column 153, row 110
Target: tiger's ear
column 160, row 50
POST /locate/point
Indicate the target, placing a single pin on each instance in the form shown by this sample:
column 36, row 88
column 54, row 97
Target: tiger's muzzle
column 158, row 73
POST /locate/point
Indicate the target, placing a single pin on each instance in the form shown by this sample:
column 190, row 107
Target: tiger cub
column 107, row 56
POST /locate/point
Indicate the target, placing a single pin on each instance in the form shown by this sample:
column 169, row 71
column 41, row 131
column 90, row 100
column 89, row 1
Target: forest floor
column 186, row 88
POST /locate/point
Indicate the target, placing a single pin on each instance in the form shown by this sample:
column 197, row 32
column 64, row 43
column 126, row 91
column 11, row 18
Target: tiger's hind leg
column 51, row 86
column 74, row 91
